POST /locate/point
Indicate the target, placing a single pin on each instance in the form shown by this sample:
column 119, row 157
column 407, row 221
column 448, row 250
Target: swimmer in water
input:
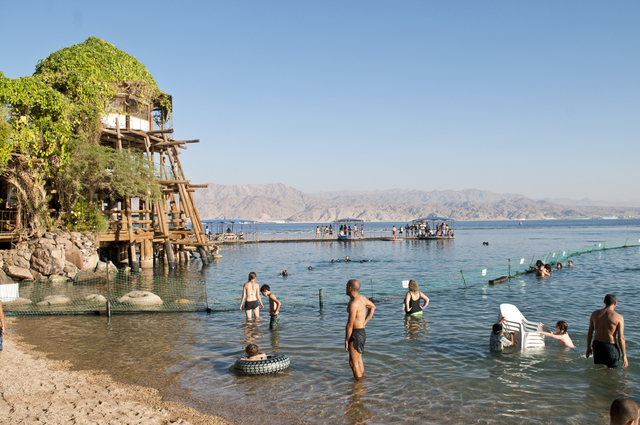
column 310, row 268
column 346, row 259
column 333, row 261
column 560, row 334
column 284, row 273
column 559, row 266
column 570, row 264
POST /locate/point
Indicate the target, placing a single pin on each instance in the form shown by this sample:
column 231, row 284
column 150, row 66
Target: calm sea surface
column 436, row 369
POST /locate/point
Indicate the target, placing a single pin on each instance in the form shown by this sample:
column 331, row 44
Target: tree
column 55, row 116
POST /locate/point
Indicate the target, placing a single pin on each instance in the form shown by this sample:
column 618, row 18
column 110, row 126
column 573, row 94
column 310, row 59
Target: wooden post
column 168, row 250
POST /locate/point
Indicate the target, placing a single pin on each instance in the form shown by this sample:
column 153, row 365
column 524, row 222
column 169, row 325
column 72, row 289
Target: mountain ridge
column 279, row 202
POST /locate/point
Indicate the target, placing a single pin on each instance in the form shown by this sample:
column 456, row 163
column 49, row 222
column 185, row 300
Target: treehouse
column 140, row 228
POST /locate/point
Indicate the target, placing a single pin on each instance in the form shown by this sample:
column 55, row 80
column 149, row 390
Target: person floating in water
column 284, row 273
column 274, row 306
column 346, row 259
column 412, row 299
column 499, row 340
column 606, row 323
column 560, row 334
column 360, row 311
column 570, row 264
column 253, row 353
column 309, row 268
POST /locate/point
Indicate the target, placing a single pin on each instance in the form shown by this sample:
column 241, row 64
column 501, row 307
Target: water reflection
column 357, row 411
column 252, row 332
column 416, row 327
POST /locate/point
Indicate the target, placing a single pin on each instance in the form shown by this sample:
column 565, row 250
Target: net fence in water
column 88, row 291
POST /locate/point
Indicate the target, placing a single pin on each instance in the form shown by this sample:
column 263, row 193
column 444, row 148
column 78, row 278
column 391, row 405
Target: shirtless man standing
column 358, row 317
column 606, row 322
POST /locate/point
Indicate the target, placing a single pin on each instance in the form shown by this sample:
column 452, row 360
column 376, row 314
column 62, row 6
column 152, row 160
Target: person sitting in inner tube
column 253, row 353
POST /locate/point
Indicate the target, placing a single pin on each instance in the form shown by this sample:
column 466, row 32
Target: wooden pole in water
column 509, row 268
column 320, row 298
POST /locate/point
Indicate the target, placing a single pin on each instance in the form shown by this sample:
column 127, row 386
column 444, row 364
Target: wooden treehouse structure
column 143, row 229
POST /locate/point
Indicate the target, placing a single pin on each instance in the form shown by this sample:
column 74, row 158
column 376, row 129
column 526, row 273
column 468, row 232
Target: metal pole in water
column 509, row 268
column 108, row 292
column 371, row 290
column 320, row 298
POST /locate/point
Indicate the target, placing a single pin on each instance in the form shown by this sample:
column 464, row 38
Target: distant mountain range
column 279, row 202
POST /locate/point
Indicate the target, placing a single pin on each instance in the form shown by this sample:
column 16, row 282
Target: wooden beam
column 199, row 186
column 169, row 130
column 170, row 182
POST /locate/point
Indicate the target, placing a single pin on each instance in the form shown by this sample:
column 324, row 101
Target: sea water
column 433, row 369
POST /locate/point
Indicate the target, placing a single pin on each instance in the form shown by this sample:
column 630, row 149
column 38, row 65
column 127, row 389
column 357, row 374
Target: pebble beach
column 36, row 390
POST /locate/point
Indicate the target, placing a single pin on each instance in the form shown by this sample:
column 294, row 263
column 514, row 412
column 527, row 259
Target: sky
column 540, row 98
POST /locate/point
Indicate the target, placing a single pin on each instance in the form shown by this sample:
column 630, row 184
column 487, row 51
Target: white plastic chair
column 8, row 292
column 525, row 334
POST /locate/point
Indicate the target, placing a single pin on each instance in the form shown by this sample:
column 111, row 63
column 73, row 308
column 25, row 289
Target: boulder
column 57, row 278
column 90, row 262
column 18, row 301
column 55, row 300
column 96, row 298
column 48, row 260
column 4, row 278
column 74, row 255
column 70, row 267
column 141, row 298
column 102, row 267
column 37, row 275
column 19, row 273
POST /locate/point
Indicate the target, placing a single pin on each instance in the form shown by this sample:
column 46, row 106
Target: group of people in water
column 544, row 270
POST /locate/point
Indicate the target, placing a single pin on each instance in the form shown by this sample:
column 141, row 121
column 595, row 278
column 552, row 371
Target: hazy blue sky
column 540, row 98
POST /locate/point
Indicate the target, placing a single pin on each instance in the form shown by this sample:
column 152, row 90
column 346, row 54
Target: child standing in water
column 251, row 295
column 560, row 334
column 274, row 306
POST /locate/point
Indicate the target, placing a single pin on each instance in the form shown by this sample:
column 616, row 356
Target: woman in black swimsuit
column 251, row 301
column 412, row 299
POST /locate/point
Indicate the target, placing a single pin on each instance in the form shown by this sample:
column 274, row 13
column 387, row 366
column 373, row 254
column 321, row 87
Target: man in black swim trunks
column 360, row 311
column 606, row 323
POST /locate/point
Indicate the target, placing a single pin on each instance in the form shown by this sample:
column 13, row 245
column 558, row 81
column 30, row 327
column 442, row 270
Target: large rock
column 90, row 263
column 55, row 300
column 141, row 298
column 74, row 255
column 4, row 278
column 19, row 273
column 102, row 267
column 48, row 260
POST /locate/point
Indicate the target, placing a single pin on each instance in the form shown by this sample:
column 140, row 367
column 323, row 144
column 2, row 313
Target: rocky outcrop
column 53, row 256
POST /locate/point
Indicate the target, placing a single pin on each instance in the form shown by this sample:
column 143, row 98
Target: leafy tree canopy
column 56, row 112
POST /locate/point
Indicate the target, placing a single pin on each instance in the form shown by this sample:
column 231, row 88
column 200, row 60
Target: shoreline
column 35, row 389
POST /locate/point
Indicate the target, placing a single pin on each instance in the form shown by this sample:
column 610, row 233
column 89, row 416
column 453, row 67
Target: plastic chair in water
column 525, row 334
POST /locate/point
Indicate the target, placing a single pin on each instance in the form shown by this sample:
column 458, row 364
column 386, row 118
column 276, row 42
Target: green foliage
column 100, row 168
column 54, row 116
column 87, row 217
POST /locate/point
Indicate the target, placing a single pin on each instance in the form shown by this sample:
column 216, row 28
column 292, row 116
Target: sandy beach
column 34, row 389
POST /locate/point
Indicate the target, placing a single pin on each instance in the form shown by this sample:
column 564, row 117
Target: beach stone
column 58, row 279
column 141, row 298
column 18, row 301
column 54, row 300
column 37, row 275
column 74, row 255
column 4, row 278
column 96, row 298
column 90, row 262
column 19, row 273
column 102, row 267
column 183, row 301
column 48, row 260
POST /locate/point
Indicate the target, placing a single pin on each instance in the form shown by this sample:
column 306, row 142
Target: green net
column 88, row 291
